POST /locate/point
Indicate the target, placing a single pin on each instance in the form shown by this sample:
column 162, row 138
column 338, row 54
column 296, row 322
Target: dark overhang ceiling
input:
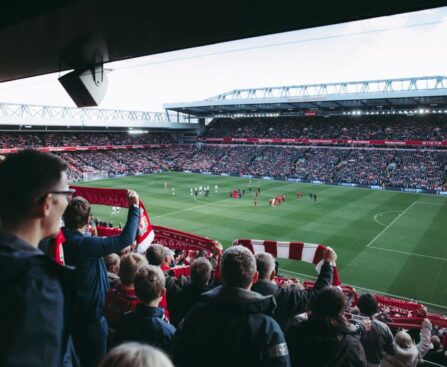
column 40, row 37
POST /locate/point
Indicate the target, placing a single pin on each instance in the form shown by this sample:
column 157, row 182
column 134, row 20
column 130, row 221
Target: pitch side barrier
column 318, row 182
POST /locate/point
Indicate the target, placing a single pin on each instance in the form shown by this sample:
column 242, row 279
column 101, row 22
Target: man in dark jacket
column 146, row 324
column 379, row 339
column 35, row 306
column 189, row 295
column 232, row 326
column 290, row 300
column 86, row 254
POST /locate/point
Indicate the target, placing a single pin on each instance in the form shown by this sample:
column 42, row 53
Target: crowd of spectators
column 399, row 127
column 414, row 169
column 64, row 139
column 230, row 311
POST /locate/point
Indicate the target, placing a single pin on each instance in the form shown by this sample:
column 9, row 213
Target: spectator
column 437, row 354
column 135, row 355
column 407, row 353
column 167, row 259
column 37, row 293
column 326, row 339
column 379, row 338
column 123, row 299
column 158, row 255
column 155, row 254
column 290, row 300
column 232, row 326
column 112, row 262
column 188, row 296
column 147, row 324
column 86, row 254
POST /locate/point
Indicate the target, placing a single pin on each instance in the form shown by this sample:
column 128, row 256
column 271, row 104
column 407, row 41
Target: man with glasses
column 36, row 292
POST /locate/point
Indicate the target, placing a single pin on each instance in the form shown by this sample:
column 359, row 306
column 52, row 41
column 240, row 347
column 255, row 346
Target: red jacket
column 118, row 302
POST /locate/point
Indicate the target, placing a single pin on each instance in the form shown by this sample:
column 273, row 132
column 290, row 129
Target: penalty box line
column 389, row 225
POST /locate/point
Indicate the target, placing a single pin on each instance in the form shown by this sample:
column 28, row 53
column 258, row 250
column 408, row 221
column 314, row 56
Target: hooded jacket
column 231, row 327
column 411, row 356
column 36, row 307
column 313, row 345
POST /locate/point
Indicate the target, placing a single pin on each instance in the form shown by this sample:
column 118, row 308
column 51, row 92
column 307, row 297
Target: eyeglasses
column 68, row 193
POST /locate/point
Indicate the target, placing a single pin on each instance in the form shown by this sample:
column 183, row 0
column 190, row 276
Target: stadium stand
column 335, row 127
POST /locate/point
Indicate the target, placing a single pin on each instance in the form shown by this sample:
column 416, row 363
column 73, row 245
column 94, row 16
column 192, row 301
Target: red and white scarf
column 307, row 252
column 118, row 197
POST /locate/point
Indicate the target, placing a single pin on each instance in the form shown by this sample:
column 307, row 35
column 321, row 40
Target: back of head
column 265, row 264
column 129, row 265
column 149, row 282
column 436, row 341
column 24, row 178
column 403, row 340
column 329, row 306
column 135, row 355
column 112, row 262
column 77, row 213
column 155, row 254
column 200, row 271
column 367, row 304
column 238, row 265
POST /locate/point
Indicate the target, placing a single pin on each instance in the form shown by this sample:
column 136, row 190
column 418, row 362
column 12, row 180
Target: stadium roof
column 369, row 96
column 40, row 37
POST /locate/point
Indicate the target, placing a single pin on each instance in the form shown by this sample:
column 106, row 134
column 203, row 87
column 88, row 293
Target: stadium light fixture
column 137, row 132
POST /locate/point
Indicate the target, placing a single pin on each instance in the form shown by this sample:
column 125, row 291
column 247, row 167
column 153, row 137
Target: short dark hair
column 265, row 264
column 200, row 271
column 77, row 213
column 330, row 303
column 149, row 282
column 24, row 177
column 237, row 267
column 155, row 254
column 367, row 304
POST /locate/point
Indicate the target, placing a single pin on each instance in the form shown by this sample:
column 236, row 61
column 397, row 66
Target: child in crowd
column 147, row 323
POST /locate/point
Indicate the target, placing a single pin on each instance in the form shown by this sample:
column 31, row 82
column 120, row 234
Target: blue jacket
column 86, row 254
column 36, row 307
column 231, row 327
column 145, row 325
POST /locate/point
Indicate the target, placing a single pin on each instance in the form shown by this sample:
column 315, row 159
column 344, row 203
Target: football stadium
column 257, row 226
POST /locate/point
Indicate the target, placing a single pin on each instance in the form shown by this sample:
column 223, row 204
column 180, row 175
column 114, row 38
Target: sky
column 404, row 45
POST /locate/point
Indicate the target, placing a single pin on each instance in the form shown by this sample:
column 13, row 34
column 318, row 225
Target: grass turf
column 389, row 242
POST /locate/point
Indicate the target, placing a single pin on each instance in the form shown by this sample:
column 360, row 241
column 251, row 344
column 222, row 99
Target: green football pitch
column 389, row 242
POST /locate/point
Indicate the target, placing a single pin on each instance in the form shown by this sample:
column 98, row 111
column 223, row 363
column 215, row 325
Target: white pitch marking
column 380, row 214
column 409, row 253
column 389, row 225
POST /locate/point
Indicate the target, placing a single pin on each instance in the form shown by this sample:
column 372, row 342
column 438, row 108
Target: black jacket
column 145, row 325
column 231, row 327
column 183, row 301
column 376, row 341
column 36, row 307
column 312, row 345
column 292, row 301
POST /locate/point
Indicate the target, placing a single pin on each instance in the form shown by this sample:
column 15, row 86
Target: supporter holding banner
column 118, row 197
column 307, row 252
